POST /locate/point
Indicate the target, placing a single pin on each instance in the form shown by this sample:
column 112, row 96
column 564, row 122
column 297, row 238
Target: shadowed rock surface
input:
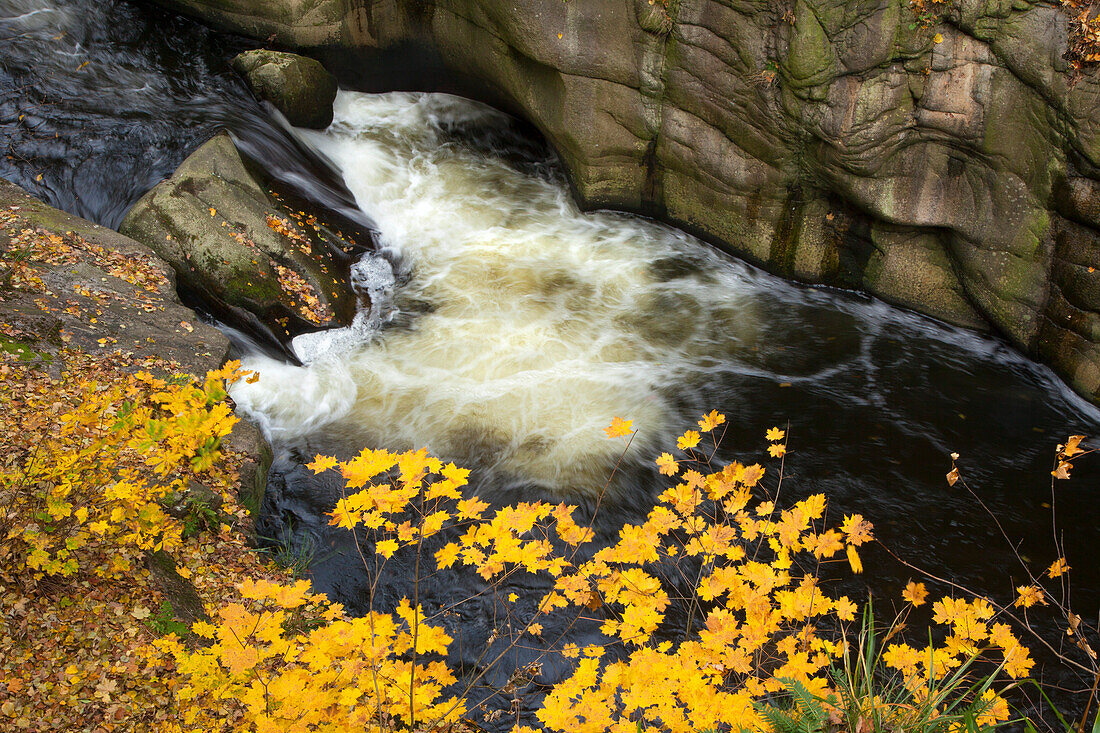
column 833, row 142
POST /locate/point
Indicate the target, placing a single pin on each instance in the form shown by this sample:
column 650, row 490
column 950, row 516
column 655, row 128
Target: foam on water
column 543, row 322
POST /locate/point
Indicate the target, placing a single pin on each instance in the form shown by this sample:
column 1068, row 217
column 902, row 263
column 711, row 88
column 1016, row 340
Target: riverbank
column 83, row 311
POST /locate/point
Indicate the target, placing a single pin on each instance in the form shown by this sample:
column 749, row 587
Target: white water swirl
column 545, row 322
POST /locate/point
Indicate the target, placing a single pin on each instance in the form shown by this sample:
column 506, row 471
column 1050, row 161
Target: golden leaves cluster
column 77, row 492
column 973, row 633
column 286, row 659
column 94, row 476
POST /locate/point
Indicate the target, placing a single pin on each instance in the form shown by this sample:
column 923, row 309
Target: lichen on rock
column 241, row 250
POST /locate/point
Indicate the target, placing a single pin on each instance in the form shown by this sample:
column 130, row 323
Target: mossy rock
column 239, row 252
column 298, row 86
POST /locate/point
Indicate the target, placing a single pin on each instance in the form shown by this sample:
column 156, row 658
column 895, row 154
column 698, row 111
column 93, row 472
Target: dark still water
column 521, row 326
column 100, row 100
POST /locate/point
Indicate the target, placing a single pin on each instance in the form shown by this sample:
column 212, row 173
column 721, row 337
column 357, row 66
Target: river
column 519, row 326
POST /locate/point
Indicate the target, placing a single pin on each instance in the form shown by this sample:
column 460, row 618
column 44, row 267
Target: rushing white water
column 544, row 322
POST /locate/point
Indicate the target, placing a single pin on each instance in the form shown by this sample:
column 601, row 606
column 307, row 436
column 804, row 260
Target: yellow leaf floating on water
column 915, row 593
column 1058, row 567
column 618, row 428
column 775, row 434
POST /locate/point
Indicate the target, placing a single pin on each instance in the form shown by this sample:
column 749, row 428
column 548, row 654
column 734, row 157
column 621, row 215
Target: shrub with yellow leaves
column 758, row 619
column 82, row 491
column 285, row 659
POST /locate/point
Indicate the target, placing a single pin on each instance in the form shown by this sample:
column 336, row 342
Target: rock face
column 240, row 249
column 834, row 142
column 99, row 291
column 299, row 87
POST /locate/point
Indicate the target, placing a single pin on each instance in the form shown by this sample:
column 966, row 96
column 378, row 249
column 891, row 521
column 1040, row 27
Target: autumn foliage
column 764, row 620
column 82, row 501
column 92, row 458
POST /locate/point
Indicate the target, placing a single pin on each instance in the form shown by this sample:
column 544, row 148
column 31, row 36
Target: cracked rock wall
column 832, row 142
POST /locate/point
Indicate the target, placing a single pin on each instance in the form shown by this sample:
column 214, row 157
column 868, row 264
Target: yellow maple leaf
column 667, row 465
column 845, row 609
column 1073, row 446
column 689, row 439
column 752, row 475
column 857, row 529
column 777, row 450
column 915, row 593
column 1058, row 567
column 471, row 508
column 239, row 659
column 1029, row 596
column 711, row 420
column 447, row 556
column 775, row 434
column 618, row 428
column 322, row 463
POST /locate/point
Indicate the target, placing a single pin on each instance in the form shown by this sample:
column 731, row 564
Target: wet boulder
column 253, row 257
column 298, row 86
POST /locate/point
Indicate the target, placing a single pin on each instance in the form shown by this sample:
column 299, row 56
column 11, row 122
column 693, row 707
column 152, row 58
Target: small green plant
column 22, row 352
column 164, row 622
column 201, row 516
column 869, row 696
column 296, row 554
